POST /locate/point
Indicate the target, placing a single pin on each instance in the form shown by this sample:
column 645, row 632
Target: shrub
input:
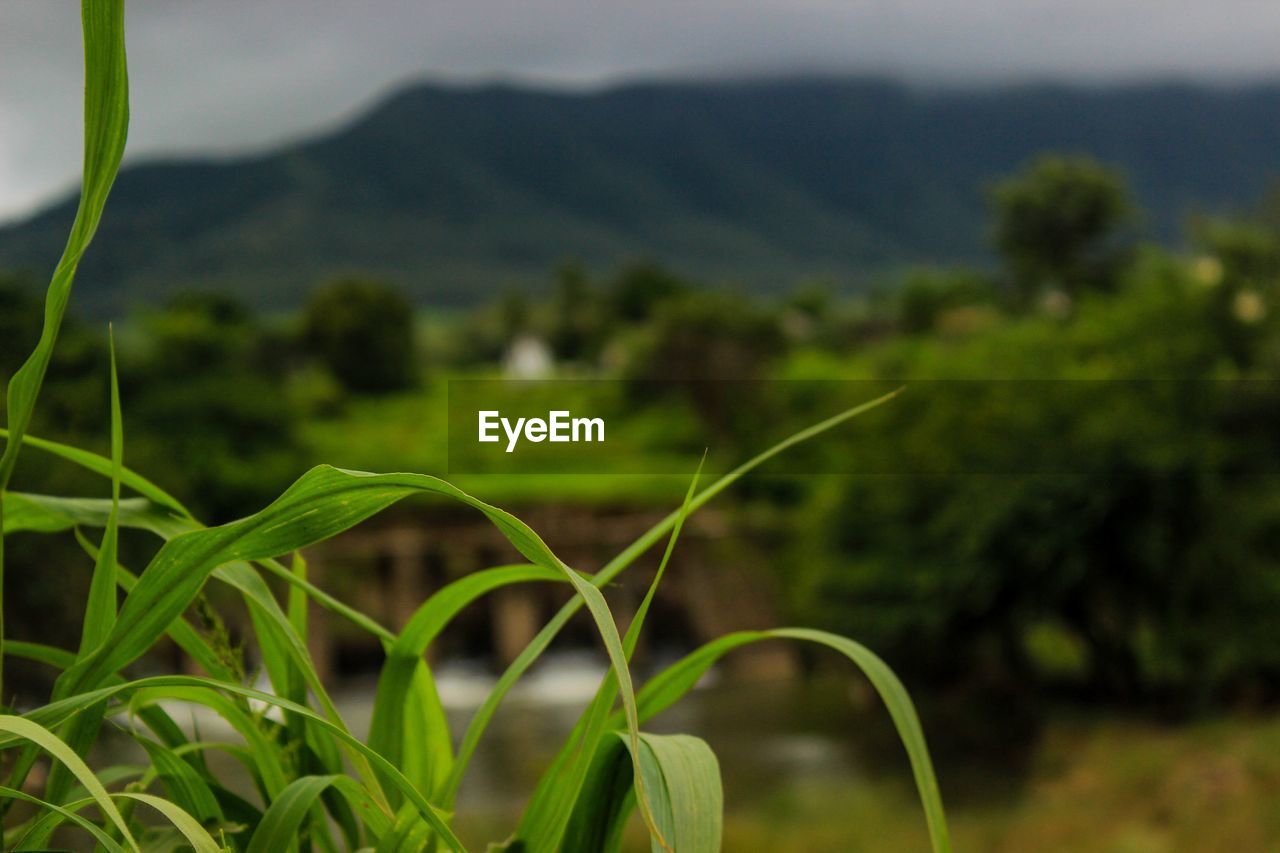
column 362, row 331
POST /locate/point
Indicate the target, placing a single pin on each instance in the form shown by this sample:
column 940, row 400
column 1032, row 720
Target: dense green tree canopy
column 362, row 330
column 1056, row 224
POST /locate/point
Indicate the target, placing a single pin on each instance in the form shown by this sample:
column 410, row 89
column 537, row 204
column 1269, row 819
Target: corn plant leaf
column 324, row 502
column 688, row 798
column 100, row 610
column 195, row 834
column 47, row 514
column 190, row 688
column 41, row 653
column 155, row 718
column 406, row 697
column 321, row 755
column 106, row 123
column 268, row 761
column 671, row 684
column 102, row 466
column 284, row 653
column 186, row 637
column 281, row 822
column 550, row 808
column 186, row 788
column 24, row 729
column 64, row 813
column 408, row 834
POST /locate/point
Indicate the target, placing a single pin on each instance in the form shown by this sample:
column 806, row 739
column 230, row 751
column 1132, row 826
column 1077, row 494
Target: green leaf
column 684, row 777
column 324, row 502
column 185, row 786
column 552, row 805
column 100, row 611
column 280, row 825
column 102, row 465
column 671, row 684
column 106, row 123
column 196, row 835
column 186, row 637
column 26, row 730
column 196, row 689
column 67, row 814
column 409, row 726
column 284, row 653
column 268, row 762
column 689, row 798
column 46, row 514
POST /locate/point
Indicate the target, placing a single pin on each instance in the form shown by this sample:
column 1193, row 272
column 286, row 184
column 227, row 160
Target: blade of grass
column 406, row 694
column 279, row 826
column 49, row 514
column 186, row 788
column 100, row 611
column 26, row 730
column 102, row 466
column 280, row 647
column 106, row 123
column 323, row 502
column 178, row 687
column 196, row 835
column 674, row 682
column 66, row 813
column 689, row 798
column 183, row 634
column 320, row 756
column 547, row 816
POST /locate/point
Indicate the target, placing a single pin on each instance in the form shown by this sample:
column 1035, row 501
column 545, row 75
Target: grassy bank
column 1111, row 786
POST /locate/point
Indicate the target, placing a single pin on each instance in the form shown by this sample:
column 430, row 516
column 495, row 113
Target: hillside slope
column 459, row 192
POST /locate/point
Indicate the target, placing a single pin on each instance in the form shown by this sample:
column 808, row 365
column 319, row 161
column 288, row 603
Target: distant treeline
column 1147, row 575
column 456, row 193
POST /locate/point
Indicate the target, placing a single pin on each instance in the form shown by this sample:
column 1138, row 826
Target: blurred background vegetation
column 1117, row 564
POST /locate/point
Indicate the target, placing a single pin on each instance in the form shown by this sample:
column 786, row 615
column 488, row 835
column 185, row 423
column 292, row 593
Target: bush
column 363, row 333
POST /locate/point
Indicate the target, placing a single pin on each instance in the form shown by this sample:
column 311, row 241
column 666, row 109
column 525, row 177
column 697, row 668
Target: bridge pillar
column 515, row 623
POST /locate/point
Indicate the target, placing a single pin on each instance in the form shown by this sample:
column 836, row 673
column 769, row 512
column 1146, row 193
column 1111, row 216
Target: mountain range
column 456, row 193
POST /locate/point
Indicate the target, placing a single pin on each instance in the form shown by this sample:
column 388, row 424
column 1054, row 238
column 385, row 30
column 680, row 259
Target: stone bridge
column 715, row 583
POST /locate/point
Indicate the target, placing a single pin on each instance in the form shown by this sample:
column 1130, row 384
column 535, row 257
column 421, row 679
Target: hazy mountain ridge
column 458, row 192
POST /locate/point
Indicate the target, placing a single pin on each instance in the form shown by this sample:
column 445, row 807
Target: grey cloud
column 241, row 74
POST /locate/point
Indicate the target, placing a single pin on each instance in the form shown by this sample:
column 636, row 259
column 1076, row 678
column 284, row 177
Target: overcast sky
column 234, row 75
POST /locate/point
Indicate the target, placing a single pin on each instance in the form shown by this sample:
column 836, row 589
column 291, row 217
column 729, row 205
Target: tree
column 200, row 332
column 1058, row 223
column 641, row 288
column 202, row 398
column 578, row 324
column 20, row 313
column 693, row 343
column 926, row 294
column 362, row 330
